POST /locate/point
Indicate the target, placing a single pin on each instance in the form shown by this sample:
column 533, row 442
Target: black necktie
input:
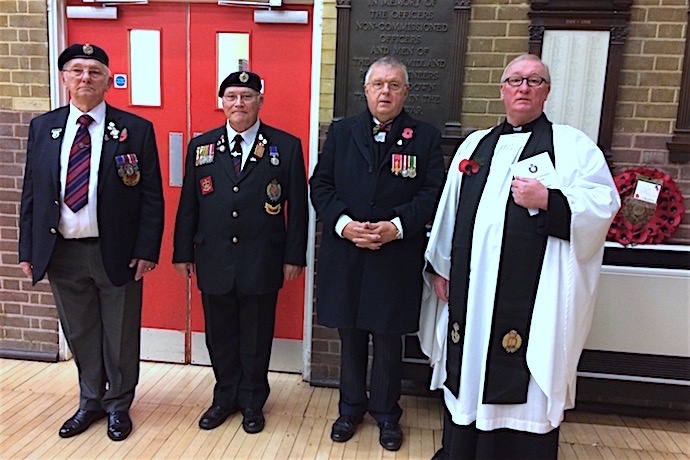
column 236, row 154
column 79, row 166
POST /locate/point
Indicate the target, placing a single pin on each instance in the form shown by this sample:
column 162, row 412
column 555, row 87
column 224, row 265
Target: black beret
column 245, row 79
column 83, row 51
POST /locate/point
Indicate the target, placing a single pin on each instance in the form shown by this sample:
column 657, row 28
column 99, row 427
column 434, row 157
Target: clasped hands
column 370, row 235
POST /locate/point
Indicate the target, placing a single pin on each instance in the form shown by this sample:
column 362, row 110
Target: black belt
column 87, row 240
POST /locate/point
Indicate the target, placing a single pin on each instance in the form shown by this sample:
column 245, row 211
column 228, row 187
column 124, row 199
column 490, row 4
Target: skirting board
column 168, row 346
column 286, row 355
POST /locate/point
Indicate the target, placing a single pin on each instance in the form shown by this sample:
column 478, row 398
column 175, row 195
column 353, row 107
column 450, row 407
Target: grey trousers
column 102, row 324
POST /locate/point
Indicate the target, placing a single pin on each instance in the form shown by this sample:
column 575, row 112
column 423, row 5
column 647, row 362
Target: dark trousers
column 467, row 442
column 239, row 335
column 386, row 372
column 101, row 322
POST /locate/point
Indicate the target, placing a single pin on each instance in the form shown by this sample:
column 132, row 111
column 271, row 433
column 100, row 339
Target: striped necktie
column 79, row 166
column 236, row 154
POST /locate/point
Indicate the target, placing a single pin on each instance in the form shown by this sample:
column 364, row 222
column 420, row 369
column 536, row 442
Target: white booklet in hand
column 537, row 167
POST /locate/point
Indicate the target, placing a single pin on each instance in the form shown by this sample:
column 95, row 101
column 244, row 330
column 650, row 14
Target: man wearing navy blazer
column 241, row 226
column 92, row 219
column 375, row 188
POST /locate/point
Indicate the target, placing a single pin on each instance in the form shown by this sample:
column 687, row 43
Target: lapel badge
column 128, row 169
column 512, row 341
column 206, row 184
column 55, row 132
column 260, row 148
column 123, row 135
column 112, row 131
column 275, row 156
column 220, row 143
column 205, row 154
column 455, row 333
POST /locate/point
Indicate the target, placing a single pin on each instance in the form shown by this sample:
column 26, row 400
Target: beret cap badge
column 244, row 77
column 87, row 49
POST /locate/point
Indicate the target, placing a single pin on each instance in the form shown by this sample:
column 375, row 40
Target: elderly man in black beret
column 242, row 228
column 92, row 219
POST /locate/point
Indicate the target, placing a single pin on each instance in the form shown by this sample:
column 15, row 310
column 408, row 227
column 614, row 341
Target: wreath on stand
column 641, row 221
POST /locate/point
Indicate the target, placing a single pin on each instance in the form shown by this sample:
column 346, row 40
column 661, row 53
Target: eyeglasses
column 78, row 72
column 393, row 86
column 531, row 81
column 244, row 97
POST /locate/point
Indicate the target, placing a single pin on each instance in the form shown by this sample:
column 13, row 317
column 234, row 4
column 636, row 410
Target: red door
column 193, row 50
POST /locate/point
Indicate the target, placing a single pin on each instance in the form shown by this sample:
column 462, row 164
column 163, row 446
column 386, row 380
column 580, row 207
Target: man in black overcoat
column 242, row 228
column 375, row 188
column 92, row 219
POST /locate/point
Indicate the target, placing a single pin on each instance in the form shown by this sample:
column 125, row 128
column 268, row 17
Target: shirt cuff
column 341, row 223
column 398, row 224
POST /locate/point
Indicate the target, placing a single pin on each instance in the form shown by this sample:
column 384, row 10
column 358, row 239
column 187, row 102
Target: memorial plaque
column 421, row 34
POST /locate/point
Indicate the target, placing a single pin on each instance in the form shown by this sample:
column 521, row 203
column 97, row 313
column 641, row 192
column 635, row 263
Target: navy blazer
column 130, row 217
column 239, row 231
column 359, row 288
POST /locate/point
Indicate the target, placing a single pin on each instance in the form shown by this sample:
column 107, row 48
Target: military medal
column 412, row 167
column 405, row 163
column 206, row 185
column 275, row 156
column 128, row 169
column 396, row 163
column 205, row 154
column 55, row 132
column 512, row 341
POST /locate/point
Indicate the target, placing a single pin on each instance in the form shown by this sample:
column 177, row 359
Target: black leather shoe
column 390, row 436
column 253, row 421
column 119, row 425
column 215, row 416
column 80, row 422
column 344, row 428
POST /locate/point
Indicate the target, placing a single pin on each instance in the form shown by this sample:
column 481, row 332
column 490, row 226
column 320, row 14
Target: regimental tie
column 79, row 167
column 236, row 154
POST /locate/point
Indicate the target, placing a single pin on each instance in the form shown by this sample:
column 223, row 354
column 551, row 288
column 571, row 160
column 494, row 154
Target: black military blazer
column 239, row 231
column 130, row 217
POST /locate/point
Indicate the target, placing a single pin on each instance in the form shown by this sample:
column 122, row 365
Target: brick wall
column 645, row 113
column 28, row 320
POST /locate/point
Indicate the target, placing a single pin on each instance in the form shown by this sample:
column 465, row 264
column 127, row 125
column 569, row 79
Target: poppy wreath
column 636, row 223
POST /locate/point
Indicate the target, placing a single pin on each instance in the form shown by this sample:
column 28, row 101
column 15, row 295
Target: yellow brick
column 31, row 104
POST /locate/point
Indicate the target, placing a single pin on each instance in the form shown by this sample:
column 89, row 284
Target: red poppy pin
column 468, row 167
column 407, row 133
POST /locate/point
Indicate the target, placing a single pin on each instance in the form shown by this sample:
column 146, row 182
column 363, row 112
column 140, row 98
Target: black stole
column 522, row 254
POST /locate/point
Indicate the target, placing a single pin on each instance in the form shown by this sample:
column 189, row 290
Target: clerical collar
column 507, row 128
